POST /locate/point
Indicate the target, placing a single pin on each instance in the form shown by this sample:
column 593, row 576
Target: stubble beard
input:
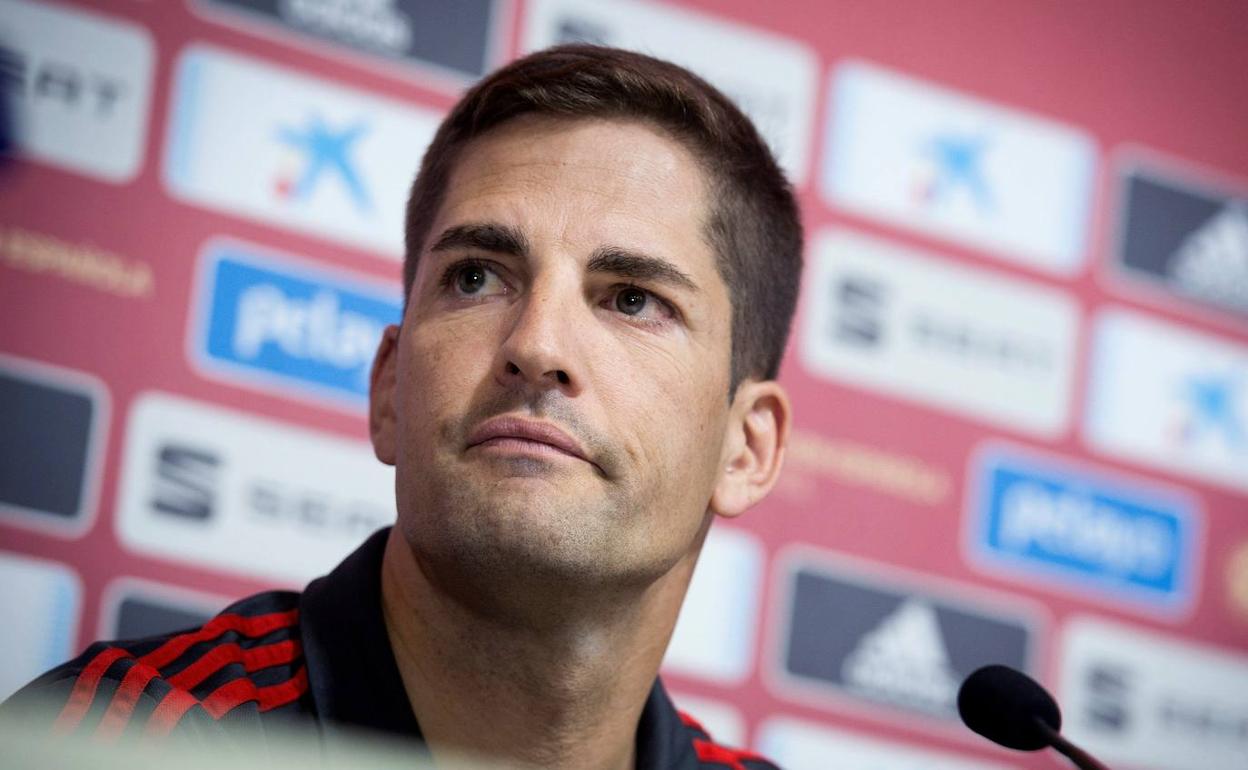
column 569, row 536
column 524, row 554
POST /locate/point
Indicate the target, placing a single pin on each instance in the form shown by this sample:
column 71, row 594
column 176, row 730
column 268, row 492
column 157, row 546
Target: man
column 602, row 264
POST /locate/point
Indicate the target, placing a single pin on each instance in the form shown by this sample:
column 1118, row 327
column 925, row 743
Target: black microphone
column 1012, row 709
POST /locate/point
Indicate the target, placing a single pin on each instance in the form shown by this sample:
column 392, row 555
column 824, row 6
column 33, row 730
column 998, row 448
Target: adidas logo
column 1212, row 261
column 903, row 661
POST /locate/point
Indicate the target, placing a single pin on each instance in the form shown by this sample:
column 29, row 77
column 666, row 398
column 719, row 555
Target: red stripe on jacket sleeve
column 171, row 708
column 124, row 700
column 280, row 694
column 85, row 686
column 228, row 696
column 253, row 659
column 138, row 677
column 233, row 694
column 257, row 625
column 178, row 701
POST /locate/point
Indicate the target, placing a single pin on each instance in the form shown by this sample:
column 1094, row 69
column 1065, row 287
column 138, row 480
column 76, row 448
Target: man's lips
column 518, row 428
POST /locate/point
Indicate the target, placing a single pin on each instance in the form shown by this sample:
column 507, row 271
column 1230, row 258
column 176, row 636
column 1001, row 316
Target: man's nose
column 541, row 347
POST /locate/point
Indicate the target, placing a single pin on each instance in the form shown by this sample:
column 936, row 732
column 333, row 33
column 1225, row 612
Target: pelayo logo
column 1052, row 522
column 283, row 325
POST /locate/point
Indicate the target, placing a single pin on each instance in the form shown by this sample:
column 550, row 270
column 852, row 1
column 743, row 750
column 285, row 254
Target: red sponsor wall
column 1019, row 366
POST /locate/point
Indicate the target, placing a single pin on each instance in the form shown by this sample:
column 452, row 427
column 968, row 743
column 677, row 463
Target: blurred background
column 1019, row 367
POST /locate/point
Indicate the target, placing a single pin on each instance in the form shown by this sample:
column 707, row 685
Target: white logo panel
column 40, row 601
column 957, row 338
column 226, row 489
column 83, row 88
column 771, row 78
column 798, row 745
column 266, row 143
column 1169, row 397
column 929, row 158
column 1151, row 701
column 715, row 633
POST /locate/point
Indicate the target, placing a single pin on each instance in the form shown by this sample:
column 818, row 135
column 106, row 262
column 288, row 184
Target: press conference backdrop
column 1019, row 366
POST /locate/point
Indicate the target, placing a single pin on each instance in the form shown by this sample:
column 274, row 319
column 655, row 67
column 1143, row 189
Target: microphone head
column 1006, row 707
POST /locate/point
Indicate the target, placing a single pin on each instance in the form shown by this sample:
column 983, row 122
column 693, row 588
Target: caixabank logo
column 919, row 155
column 229, row 490
column 270, row 144
column 883, row 640
column 287, row 326
column 1170, row 397
column 1182, row 234
column 1049, row 522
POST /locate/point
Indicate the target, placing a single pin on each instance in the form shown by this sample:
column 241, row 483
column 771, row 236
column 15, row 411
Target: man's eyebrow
column 638, row 266
column 486, row 236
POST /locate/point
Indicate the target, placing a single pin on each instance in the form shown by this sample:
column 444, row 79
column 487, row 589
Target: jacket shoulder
column 245, row 661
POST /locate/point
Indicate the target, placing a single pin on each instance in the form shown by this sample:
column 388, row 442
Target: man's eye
column 631, row 300
column 472, row 279
column 641, row 305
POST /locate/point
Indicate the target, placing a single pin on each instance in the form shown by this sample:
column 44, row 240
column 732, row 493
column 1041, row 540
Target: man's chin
column 519, row 558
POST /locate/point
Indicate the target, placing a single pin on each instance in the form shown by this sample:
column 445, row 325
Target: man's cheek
column 427, row 390
column 440, row 357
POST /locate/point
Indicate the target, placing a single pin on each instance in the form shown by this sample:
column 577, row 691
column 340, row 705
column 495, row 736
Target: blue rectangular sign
column 1086, row 530
column 289, row 328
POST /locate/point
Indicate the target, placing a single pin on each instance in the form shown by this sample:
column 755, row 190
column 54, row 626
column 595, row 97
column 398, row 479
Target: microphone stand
column 1081, row 759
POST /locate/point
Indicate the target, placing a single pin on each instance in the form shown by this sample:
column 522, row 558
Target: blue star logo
column 325, row 151
column 959, row 164
column 1213, row 404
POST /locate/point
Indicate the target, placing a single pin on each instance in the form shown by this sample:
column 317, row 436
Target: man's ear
column 758, row 431
column 381, row 383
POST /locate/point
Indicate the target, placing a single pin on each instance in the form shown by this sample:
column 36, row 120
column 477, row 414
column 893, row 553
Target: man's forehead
column 596, row 181
column 589, row 157
column 526, row 136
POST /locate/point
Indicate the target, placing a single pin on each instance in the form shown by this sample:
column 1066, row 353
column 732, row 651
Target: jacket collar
column 352, row 673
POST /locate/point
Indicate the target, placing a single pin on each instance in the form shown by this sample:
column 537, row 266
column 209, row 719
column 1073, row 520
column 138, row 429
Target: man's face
column 560, row 379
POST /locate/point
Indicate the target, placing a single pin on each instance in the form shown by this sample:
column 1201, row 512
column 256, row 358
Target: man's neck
column 565, row 693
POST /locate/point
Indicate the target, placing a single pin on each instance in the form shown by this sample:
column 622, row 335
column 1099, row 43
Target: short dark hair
column 753, row 225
